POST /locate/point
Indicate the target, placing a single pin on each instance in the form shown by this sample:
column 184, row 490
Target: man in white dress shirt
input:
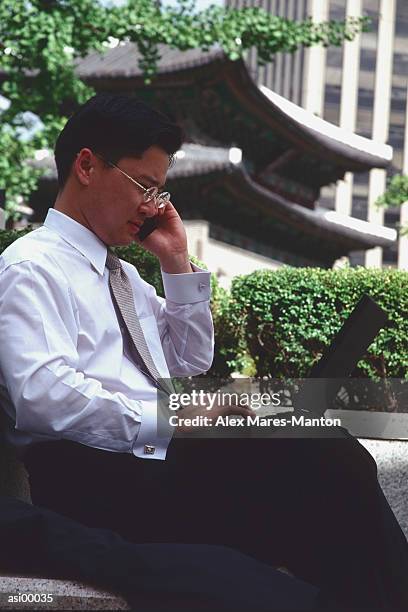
column 68, row 371
column 82, row 415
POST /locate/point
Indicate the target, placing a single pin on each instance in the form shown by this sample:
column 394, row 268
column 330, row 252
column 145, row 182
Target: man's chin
column 122, row 241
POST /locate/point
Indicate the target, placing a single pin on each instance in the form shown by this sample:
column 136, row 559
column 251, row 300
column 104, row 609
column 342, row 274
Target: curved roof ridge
column 307, row 119
column 363, row 234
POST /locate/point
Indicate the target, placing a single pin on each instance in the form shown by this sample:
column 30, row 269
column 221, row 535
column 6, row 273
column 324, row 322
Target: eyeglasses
column 150, row 194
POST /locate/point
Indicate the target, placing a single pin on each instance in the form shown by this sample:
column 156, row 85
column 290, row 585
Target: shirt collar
column 78, row 236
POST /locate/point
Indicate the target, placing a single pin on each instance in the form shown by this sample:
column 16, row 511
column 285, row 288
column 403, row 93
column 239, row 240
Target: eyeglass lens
column 152, row 194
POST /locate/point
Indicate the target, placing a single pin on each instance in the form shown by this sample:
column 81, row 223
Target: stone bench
column 65, row 594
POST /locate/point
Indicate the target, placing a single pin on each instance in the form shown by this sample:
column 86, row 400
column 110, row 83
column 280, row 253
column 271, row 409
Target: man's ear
column 84, row 166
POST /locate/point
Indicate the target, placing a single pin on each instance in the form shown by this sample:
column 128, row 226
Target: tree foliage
column 396, row 194
column 41, row 41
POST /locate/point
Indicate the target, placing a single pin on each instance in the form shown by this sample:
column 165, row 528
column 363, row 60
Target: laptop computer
column 340, row 358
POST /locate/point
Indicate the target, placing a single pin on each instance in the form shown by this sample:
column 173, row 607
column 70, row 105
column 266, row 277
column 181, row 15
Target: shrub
column 7, row 237
column 285, row 318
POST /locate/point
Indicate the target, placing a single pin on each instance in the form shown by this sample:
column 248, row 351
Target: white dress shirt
column 65, row 369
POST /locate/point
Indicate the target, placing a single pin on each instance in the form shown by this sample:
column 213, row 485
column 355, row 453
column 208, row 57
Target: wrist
column 176, row 263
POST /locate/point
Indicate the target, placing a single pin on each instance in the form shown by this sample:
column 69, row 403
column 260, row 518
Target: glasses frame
column 150, row 193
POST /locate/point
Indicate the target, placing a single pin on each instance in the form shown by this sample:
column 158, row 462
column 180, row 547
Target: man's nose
column 148, row 209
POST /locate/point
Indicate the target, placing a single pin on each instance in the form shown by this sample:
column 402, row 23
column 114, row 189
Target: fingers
column 169, row 210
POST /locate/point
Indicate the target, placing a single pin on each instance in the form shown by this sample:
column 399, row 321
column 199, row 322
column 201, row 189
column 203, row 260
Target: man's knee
column 350, row 464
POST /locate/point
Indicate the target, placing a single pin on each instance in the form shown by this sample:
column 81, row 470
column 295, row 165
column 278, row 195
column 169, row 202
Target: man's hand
column 169, row 241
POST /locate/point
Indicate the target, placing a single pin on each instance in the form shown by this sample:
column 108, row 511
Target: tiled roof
column 330, row 150
column 123, row 61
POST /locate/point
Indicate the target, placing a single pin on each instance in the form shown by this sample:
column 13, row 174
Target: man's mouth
column 135, row 226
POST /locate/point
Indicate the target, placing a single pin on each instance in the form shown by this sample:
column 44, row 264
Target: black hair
column 114, row 126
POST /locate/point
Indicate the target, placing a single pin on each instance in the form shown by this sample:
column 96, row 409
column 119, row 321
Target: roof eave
column 322, row 226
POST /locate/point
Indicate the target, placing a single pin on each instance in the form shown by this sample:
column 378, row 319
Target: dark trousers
column 152, row 577
column 312, row 505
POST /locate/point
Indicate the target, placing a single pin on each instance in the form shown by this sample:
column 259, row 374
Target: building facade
column 361, row 87
column 256, row 209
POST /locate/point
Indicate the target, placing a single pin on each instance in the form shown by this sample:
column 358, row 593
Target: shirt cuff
column 189, row 287
column 147, row 444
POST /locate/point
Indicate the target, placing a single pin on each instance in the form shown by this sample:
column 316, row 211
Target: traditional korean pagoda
column 253, row 164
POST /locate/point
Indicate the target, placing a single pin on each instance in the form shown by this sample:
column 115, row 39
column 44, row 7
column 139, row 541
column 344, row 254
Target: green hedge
column 284, row 319
column 9, row 236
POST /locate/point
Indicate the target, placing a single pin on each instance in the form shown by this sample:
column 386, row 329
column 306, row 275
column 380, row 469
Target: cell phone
column 147, row 228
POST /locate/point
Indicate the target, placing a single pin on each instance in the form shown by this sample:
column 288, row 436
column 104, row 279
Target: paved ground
column 392, row 462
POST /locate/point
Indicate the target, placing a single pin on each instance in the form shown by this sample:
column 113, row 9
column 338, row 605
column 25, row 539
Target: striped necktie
column 122, row 295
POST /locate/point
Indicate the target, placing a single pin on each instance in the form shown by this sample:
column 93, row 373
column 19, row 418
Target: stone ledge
column 67, row 595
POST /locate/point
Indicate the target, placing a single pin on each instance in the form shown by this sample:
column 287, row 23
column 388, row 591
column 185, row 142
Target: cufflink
column 201, row 286
column 149, row 450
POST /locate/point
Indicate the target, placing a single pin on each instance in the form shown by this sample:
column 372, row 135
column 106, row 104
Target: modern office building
column 361, row 87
